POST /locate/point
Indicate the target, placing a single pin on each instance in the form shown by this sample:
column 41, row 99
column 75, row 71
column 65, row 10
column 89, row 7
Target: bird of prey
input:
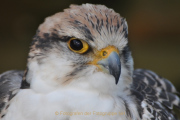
column 80, row 68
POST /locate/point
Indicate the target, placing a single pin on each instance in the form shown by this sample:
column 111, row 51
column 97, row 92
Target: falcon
column 80, row 68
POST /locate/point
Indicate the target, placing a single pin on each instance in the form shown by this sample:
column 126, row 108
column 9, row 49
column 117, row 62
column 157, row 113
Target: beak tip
column 117, row 77
column 113, row 65
column 116, row 82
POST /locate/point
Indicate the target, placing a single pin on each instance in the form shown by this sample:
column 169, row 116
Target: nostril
column 104, row 53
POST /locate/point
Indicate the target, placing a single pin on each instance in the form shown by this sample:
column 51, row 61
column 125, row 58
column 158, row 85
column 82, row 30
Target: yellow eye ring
column 78, row 45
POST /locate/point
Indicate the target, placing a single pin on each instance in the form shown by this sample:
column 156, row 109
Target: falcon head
column 85, row 47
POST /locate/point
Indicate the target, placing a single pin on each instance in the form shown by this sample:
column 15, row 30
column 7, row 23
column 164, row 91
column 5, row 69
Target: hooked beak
column 112, row 64
column 108, row 61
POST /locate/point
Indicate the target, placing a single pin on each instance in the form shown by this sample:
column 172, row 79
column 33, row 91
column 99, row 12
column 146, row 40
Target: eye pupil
column 76, row 44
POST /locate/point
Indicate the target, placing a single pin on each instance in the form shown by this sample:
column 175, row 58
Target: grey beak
column 112, row 65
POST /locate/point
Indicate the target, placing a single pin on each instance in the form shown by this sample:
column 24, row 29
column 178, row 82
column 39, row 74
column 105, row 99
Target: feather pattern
column 10, row 83
column 155, row 95
column 58, row 78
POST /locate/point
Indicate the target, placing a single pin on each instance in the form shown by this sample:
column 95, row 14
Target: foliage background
column 154, row 31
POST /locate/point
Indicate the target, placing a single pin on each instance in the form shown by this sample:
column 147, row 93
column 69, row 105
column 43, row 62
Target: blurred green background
column 154, row 31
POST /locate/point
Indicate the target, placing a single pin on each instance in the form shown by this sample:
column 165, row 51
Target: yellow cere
column 103, row 54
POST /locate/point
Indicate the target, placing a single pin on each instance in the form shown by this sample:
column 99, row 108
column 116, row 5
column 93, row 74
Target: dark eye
column 77, row 45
